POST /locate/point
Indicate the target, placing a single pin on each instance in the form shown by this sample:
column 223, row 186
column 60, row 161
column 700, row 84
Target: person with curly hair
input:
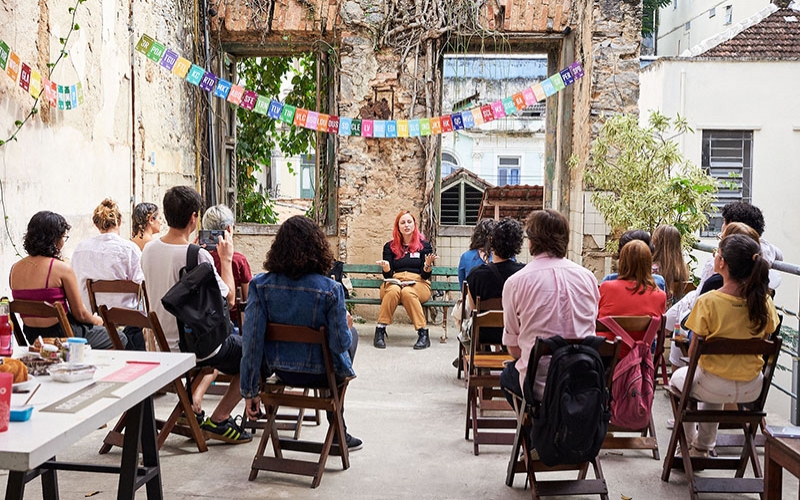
column 296, row 290
column 668, row 261
column 407, row 258
column 741, row 211
column 146, row 223
column 107, row 256
column 43, row 276
column 486, row 281
column 479, row 252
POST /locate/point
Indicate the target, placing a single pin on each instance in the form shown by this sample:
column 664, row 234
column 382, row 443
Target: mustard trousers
column 412, row 298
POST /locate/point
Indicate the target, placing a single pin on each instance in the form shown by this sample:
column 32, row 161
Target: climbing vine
column 258, row 135
column 18, row 124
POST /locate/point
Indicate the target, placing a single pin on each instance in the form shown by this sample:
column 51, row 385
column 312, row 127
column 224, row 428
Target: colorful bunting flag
column 322, row 122
column 379, row 128
column 144, row 44
column 13, row 66
column 530, row 99
column 402, row 128
column 249, row 100
column 333, row 124
column 300, row 116
column 5, row 51
column 208, row 82
column 287, row 113
column 156, row 52
column 355, row 127
column 195, row 74
column 262, row 105
column 557, row 82
column 508, row 106
column 458, row 121
column 235, row 95
column 168, row 60
column 538, row 91
column 436, row 125
column 447, row 124
column 181, row 67
column 25, row 77
column 576, row 69
column 345, row 126
column 566, row 75
column 519, row 101
column 222, row 89
column 498, row 110
column 425, row 126
column 391, row 129
column 413, row 128
column 367, row 128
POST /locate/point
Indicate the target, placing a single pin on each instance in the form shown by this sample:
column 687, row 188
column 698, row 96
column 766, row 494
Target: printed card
column 208, row 82
column 79, row 87
column 300, row 117
column 425, row 126
column 61, row 101
column 312, row 120
column 144, row 44
column 538, row 91
column 486, row 113
column 566, row 75
column 557, row 82
column 333, row 124
column 458, row 121
column 391, row 128
column 222, row 88
column 379, row 128
column 168, row 60
column 447, row 124
column 367, row 128
column 50, row 92
column 249, row 100
column 274, row 110
column 322, row 122
column 4, row 53
column 73, row 95
column 576, row 69
column 235, row 95
column 355, row 127
column 195, row 74
column 498, row 110
column 262, row 105
column 508, row 106
column 25, row 77
column 548, row 87
column 530, row 98
column 413, row 128
column 287, row 114
column 181, row 67
column 436, row 125
column 477, row 117
column 156, row 52
column 519, row 101
column 13, row 66
column 345, row 126
column 402, row 128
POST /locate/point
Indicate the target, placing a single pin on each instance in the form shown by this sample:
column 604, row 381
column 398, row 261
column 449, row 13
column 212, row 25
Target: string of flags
column 57, row 96
column 343, row 126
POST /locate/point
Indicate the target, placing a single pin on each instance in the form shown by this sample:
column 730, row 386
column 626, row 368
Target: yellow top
column 719, row 315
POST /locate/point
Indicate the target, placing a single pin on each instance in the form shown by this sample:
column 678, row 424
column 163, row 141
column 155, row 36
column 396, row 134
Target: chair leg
column 118, row 429
column 468, row 423
column 269, row 433
column 651, row 430
column 669, row 459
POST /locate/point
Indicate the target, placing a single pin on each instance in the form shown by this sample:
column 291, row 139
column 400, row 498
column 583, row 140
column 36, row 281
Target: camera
column 209, row 238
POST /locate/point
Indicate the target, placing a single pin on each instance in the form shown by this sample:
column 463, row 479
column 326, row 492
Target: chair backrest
column 120, row 316
column 769, row 349
column 38, row 309
column 277, row 332
column 241, row 303
column 114, row 286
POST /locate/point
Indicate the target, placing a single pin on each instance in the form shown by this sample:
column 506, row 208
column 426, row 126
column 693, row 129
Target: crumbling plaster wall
column 131, row 139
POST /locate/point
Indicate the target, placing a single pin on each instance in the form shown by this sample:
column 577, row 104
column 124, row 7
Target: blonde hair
column 107, row 216
column 740, row 228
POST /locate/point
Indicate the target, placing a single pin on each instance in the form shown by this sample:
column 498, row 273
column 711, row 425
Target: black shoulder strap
column 594, row 341
column 191, row 257
column 496, row 272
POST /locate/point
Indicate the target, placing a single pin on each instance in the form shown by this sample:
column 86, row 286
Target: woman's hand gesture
column 384, row 265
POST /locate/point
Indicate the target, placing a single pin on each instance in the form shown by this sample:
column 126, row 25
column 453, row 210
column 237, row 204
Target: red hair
column 397, row 240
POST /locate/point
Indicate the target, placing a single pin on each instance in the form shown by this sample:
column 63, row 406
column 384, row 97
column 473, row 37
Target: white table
column 28, row 449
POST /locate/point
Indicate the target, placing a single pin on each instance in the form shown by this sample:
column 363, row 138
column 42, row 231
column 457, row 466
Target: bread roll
column 16, row 368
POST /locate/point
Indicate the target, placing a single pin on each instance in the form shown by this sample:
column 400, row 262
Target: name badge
column 414, row 255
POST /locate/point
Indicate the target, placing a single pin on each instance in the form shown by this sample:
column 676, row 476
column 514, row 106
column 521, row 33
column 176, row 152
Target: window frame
column 717, row 161
column 510, row 168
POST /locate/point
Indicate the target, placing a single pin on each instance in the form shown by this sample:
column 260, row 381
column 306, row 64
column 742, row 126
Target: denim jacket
column 313, row 300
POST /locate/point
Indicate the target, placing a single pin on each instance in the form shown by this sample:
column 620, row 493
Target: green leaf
column 18, row 123
column 2, row 142
column 71, row 10
column 76, row 27
column 62, row 41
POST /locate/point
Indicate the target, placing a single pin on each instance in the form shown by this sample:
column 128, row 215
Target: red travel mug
column 6, row 379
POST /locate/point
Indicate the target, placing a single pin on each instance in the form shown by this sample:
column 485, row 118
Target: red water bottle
column 6, row 347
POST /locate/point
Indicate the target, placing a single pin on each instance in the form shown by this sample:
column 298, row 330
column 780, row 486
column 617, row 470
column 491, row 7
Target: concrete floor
column 409, row 409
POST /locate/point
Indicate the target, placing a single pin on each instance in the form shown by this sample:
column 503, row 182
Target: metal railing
column 789, row 328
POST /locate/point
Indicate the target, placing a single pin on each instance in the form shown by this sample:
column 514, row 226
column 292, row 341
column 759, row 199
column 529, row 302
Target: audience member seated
column 680, row 311
column 486, row 281
column 146, row 224
column 43, row 276
column 108, row 256
column 295, row 290
column 741, row 211
column 633, row 293
column 407, row 258
column 741, row 309
column 478, row 252
column 220, row 218
column 162, row 260
column 627, row 237
column 550, row 296
column 668, row 261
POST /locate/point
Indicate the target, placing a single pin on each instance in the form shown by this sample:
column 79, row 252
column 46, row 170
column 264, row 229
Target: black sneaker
column 353, row 443
column 228, row 431
column 200, row 417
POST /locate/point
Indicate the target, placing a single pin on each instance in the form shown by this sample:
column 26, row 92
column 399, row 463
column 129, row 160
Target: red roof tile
column 776, row 37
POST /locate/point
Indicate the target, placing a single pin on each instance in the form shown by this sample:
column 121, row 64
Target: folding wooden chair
column 330, row 398
column 482, row 369
column 747, row 417
column 94, row 287
column 37, row 309
column 117, row 316
column 521, row 460
column 647, row 439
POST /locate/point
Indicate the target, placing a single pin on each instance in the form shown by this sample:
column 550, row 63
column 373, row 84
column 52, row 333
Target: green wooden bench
column 370, row 277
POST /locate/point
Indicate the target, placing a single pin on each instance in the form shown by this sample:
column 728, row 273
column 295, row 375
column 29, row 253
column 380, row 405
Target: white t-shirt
column 108, row 257
column 162, row 263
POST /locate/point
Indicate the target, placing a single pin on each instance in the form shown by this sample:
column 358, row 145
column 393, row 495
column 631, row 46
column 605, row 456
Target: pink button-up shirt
column 549, row 296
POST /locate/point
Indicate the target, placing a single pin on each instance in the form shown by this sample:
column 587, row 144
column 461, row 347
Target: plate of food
column 26, row 386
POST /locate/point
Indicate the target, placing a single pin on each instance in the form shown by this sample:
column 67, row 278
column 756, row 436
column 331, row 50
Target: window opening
column 728, row 157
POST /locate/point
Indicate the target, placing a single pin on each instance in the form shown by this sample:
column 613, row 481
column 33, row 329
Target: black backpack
column 570, row 423
column 202, row 312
